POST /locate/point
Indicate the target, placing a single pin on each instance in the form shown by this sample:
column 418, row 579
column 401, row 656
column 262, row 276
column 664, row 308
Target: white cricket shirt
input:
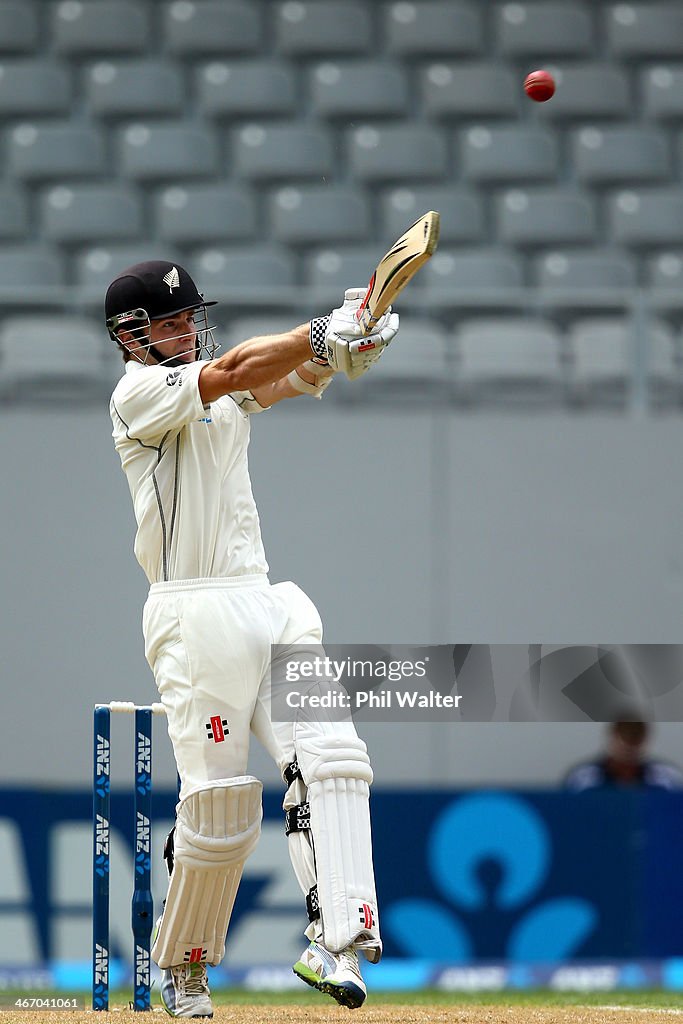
column 187, row 470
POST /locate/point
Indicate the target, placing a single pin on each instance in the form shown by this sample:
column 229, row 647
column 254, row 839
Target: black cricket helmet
column 154, row 290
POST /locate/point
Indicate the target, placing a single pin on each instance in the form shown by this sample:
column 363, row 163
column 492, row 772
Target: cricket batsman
column 181, row 427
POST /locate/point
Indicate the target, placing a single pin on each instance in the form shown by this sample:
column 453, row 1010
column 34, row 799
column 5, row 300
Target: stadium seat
column 134, row 88
column 293, row 150
column 662, row 89
column 461, row 209
column 469, row 89
column 386, row 153
column 50, row 358
column 428, row 27
column 508, row 360
column 159, row 151
column 33, row 87
column 90, row 213
column 601, row 361
column 609, row 154
column 331, row 271
column 474, row 277
column 81, row 27
column 647, row 217
column 588, row 90
column 246, row 88
column 357, row 89
column 645, row 29
column 204, row 213
column 319, row 214
column 665, row 280
column 196, row 27
column 545, row 216
column 55, row 150
column 252, row 273
column 322, row 26
column 590, row 277
column 544, row 29
column 665, row 270
column 30, row 274
column 13, row 212
column 97, row 266
column 413, row 367
column 18, row 27
column 508, row 154
column 243, row 328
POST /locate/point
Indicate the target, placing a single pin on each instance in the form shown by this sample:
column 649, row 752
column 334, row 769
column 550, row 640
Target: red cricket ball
column 539, row 86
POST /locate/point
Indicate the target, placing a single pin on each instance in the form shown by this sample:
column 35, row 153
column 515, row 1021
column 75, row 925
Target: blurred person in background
column 625, row 762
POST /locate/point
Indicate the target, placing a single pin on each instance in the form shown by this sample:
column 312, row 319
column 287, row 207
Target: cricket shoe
column 185, row 991
column 336, row 974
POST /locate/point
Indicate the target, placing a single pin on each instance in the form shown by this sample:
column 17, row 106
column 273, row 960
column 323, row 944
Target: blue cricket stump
column 142, row 915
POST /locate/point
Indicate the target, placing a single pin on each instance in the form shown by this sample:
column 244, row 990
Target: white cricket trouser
column 208, row 642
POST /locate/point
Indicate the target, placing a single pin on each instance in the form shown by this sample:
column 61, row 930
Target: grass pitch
column 428, row 1007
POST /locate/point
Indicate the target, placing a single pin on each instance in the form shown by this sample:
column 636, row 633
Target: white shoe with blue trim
column 185, row 991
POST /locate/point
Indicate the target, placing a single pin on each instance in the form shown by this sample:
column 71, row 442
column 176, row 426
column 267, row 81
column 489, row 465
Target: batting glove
column 338, row 339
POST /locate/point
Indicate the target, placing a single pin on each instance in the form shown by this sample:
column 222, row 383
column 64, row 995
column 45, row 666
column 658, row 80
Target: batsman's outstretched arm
column 255, row 364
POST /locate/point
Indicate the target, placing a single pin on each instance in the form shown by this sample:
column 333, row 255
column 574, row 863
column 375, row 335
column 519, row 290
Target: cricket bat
column 397, row 267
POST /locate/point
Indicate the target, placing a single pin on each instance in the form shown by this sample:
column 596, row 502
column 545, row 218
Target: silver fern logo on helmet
column 172, row 279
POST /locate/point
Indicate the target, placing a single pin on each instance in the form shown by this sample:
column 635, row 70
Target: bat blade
column 397, row 267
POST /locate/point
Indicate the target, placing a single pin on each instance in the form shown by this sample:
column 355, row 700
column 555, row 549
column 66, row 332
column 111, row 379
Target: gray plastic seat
column 13, row 212
column 162, row 151
column 245, row 327
column 664, row 378
column 647, row 217
column 428, row 27
column 18, row 27
column 108, row 26
column 545, row 216
column 508, row 360
column 333, row 270
column 591, row 276
column 98, row 265
column 470, row 89
column 33, row 87
column 90, row 213
column 414, row 363
column 546, row 29
column 265, row 152
column 196, row 27
column 134, row 88
column 356, row 89
column 50, row 357
column 250, row 272
column 508, row 154
column 464, row 273
column 601, row 359
column 386, row 153
column 30, row 273
column 588, row 90
column 204, row 213
column 662, row 89
column 322, row 26
column 55, row 150
column 665, row 280
column 319, row 214
column 645, row 29
column 665, row 270
column 241, row 88
column 461, row 209
column 610, row 154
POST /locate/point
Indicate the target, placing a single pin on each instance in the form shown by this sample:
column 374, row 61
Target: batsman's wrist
column 317, row 336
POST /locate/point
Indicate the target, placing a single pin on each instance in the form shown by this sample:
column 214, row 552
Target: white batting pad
column 336, row 769
column 217, row 827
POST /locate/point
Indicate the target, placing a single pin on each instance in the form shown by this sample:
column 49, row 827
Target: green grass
column 426, row 997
